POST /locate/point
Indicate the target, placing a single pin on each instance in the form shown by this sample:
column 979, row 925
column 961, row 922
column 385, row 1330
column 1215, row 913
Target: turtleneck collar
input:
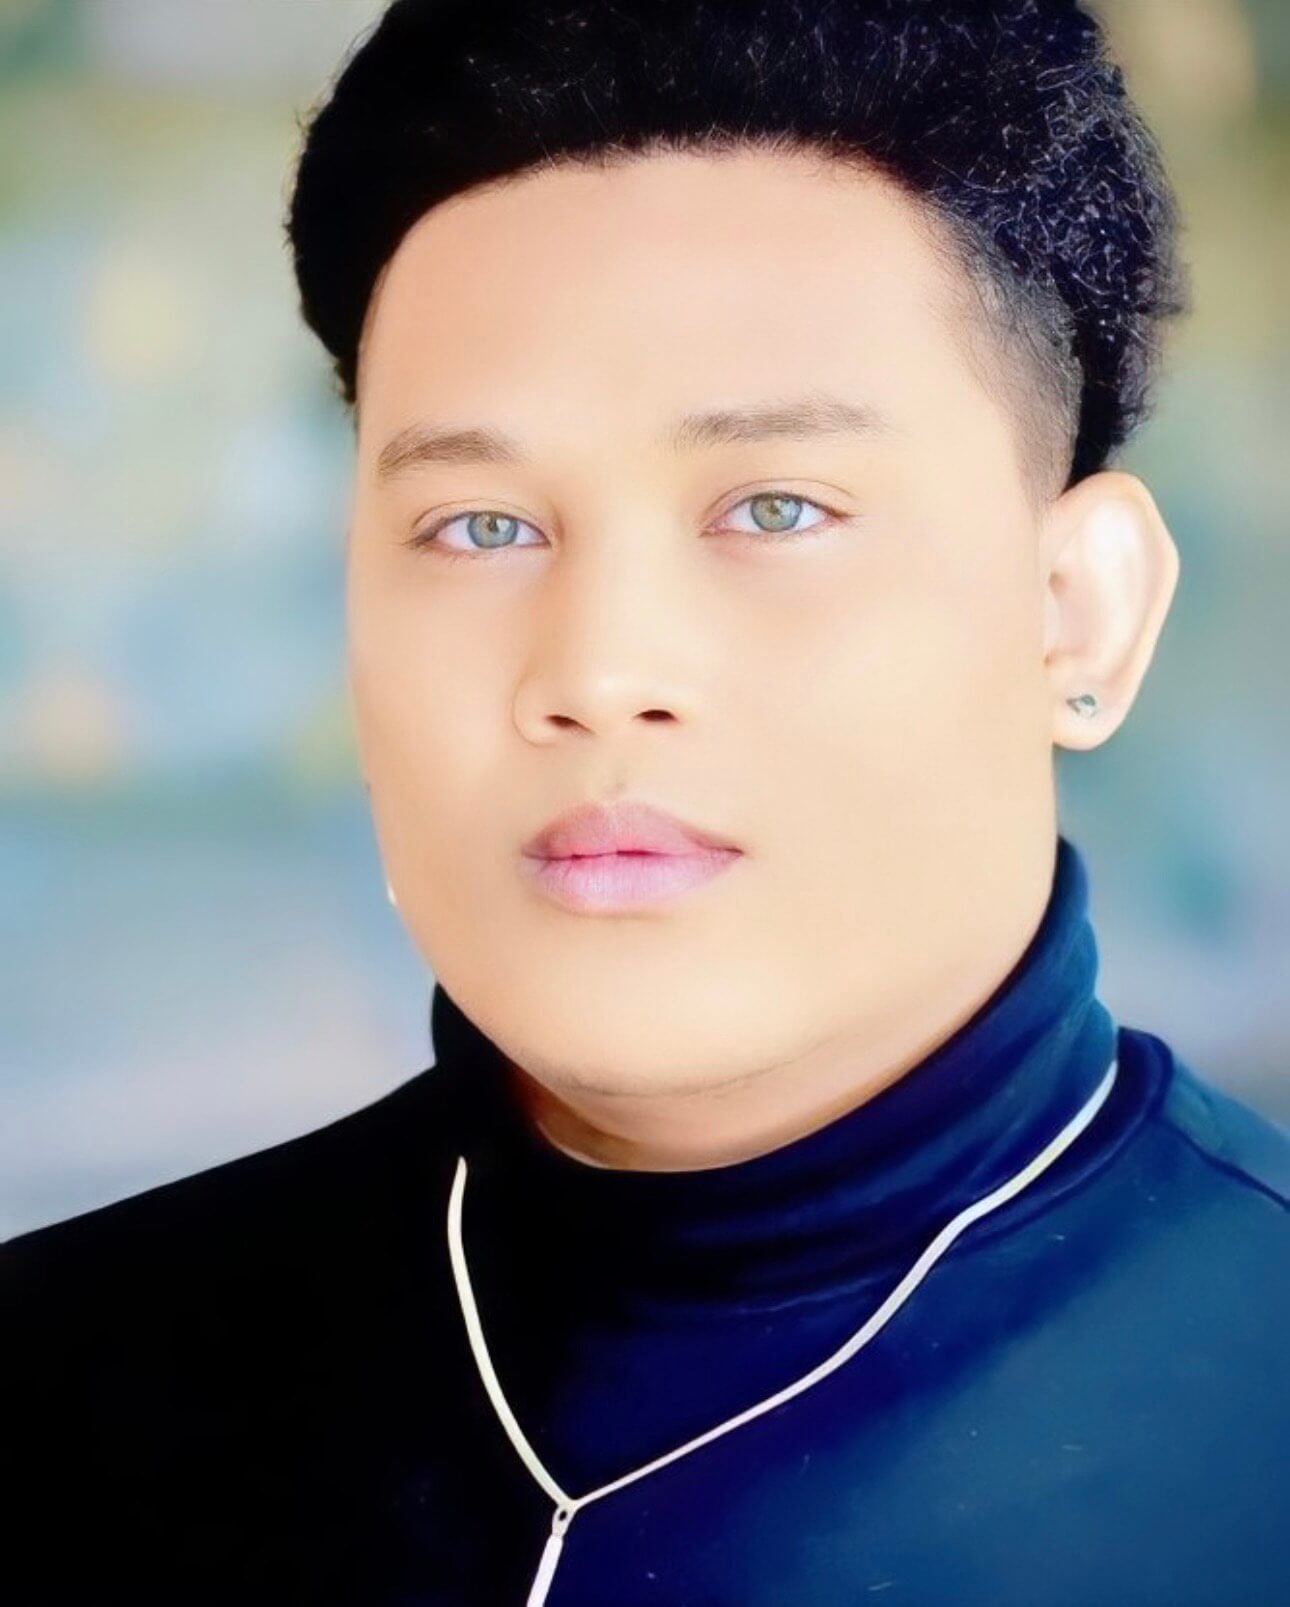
column 828, row 1211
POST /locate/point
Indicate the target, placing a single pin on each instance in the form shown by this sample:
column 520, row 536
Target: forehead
column 665, row 278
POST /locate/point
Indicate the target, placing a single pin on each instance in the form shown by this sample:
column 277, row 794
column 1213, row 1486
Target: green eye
column 775, row 512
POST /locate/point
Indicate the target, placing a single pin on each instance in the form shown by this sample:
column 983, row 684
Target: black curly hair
column 1004, row 119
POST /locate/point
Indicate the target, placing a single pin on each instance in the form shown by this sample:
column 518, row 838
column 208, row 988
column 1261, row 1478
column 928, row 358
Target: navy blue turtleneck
column 256, row 1384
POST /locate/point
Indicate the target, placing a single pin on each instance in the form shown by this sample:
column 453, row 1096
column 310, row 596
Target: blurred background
column 197, row 958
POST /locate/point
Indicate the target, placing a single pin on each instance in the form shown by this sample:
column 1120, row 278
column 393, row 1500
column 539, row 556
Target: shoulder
column 1197, row 1205
column 140, row 1321
column 1184, row 1203
column 1245, row 1151
column 254, row 1209
column 165, row 1347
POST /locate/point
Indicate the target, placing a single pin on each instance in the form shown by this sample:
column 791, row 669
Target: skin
column 867, row 707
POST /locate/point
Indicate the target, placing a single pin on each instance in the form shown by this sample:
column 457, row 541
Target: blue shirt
column 256, row 1384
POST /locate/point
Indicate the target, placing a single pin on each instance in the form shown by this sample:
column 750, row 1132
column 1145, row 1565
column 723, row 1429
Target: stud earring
column 1085, row 704
column 389, row 893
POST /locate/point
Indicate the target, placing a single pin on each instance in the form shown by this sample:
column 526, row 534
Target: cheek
column 918, row 715
column 909, row 760
column 426, row 723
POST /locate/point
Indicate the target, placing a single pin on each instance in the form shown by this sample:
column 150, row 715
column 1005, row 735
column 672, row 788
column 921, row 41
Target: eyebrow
column 798, row 419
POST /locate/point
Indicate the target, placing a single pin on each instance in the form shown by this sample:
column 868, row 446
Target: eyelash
column 425, row 538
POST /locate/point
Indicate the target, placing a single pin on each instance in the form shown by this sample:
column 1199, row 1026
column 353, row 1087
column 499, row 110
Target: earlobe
column 1111, row 568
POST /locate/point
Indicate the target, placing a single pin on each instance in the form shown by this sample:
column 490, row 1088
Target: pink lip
column 592, row 828
column 606, row 857
column 626, row 880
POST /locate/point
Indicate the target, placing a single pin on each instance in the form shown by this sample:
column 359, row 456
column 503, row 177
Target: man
column 784, row 1218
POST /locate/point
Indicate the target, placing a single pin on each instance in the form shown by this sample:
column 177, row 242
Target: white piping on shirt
column 567, row 1506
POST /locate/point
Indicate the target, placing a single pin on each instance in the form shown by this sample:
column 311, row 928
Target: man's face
column 858, row 703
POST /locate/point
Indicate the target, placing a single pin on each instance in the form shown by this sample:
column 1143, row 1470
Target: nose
column 612, row 643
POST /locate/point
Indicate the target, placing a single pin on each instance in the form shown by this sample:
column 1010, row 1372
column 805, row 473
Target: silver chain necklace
column 567, row 1506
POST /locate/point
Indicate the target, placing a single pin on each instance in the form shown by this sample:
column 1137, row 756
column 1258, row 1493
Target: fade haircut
column 1005, row 121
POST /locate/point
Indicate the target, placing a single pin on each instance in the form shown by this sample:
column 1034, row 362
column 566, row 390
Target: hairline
column 995, row 319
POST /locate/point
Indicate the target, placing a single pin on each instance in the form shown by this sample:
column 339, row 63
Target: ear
column 1109, row 567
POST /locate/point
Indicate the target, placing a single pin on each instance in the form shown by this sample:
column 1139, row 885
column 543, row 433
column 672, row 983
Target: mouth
column 626, row 878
